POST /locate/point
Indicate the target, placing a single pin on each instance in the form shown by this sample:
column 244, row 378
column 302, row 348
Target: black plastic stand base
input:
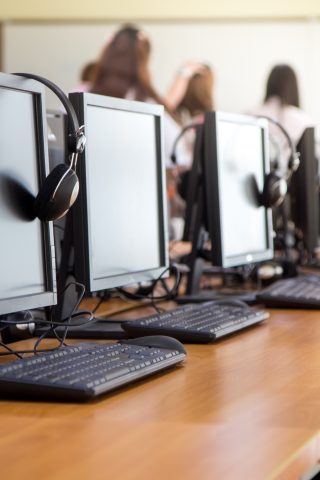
column 97, row 329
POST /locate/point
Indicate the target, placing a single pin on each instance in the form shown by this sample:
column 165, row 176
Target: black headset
column 173, row 155
column 275, row 187
column 60, row 189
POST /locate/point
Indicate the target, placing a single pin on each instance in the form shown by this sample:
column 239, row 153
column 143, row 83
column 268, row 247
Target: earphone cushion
column 274, row 190
column 50, row 205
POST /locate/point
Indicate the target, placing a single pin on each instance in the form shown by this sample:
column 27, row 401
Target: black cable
column 43, row 321
column 170, row 295
column 10, row 351
column 19, row 353
column 100, row 301
column 167, row 296
column 128, row 309
column 53, row 324
column 175, row 143
column 65, row 322
column 35, row 349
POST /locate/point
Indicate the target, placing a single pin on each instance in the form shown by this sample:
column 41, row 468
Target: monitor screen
column 120, row 226
column 27, row 277
column 236, row 160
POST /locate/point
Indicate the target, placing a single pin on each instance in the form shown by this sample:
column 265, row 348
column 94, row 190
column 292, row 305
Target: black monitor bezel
column 48, row 297
column 82, row 247
column 304, row 195
column 212, row 190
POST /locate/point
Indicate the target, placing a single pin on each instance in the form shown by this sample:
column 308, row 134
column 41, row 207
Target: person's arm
column 180, row 83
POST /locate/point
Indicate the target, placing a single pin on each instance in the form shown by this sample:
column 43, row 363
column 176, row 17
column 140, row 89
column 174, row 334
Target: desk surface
column 247, row 407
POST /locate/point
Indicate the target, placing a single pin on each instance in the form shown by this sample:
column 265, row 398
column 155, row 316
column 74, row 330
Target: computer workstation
column 74, row 372
column 232, row 186
column 302, row 209
column 119, row 227
column 231, row 197
column 117, row 233
column 231, row 225
column 223, row 203
column 107, row 222
column 247, row 380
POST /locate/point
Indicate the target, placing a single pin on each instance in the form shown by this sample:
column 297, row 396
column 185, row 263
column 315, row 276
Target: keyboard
column 85, row 370
column 297, row 292
column 198, row 323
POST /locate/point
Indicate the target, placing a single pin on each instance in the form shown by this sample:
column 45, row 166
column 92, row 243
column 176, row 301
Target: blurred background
column 240, row 40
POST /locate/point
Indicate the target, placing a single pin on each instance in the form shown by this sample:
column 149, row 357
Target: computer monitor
column 236, row 160
column 120, row 223
column 27, row 259
column 304, row 196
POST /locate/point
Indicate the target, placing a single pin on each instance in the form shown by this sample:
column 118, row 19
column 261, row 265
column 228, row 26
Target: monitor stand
column 98, row 328
column 198, row 236
column 196, row 295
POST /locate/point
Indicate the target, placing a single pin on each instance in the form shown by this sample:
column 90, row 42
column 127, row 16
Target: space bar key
column 117, row 372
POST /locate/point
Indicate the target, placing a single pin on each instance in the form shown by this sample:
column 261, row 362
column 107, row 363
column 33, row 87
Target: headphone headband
column 76, row 139
column 60, row 189
column 294, row 161
column 173, row 156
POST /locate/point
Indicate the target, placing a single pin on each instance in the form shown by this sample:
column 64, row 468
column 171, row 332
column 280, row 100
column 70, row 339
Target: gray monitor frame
column 49, row 296
column 82, row 242
column 213, row 197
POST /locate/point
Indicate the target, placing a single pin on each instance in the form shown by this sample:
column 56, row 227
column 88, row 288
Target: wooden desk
column 247, row 407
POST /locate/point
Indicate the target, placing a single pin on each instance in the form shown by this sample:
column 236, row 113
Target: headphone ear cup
column 57, row 194
column 274, row 191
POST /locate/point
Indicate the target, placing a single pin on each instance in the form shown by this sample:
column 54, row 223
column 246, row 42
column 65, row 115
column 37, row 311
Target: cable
column 100, row 301
column 53, row 326
column 10, row 351
column 65, row 322
column 175, row 143
column 128, row 309
column 43, row 321
column 170, row 295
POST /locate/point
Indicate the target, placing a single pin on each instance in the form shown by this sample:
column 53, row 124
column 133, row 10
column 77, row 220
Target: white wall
column 240, row 52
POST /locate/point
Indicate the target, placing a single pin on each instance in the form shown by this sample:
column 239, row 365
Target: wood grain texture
column 247, row 407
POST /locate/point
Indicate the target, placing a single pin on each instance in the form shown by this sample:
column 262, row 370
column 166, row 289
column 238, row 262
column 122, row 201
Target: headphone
column 173, row 155
column 183, row 184
column 61, row 187
column 276, row 187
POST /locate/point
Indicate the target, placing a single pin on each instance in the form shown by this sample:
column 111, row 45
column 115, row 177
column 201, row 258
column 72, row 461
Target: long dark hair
column 123, row 65
column 282, row 82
